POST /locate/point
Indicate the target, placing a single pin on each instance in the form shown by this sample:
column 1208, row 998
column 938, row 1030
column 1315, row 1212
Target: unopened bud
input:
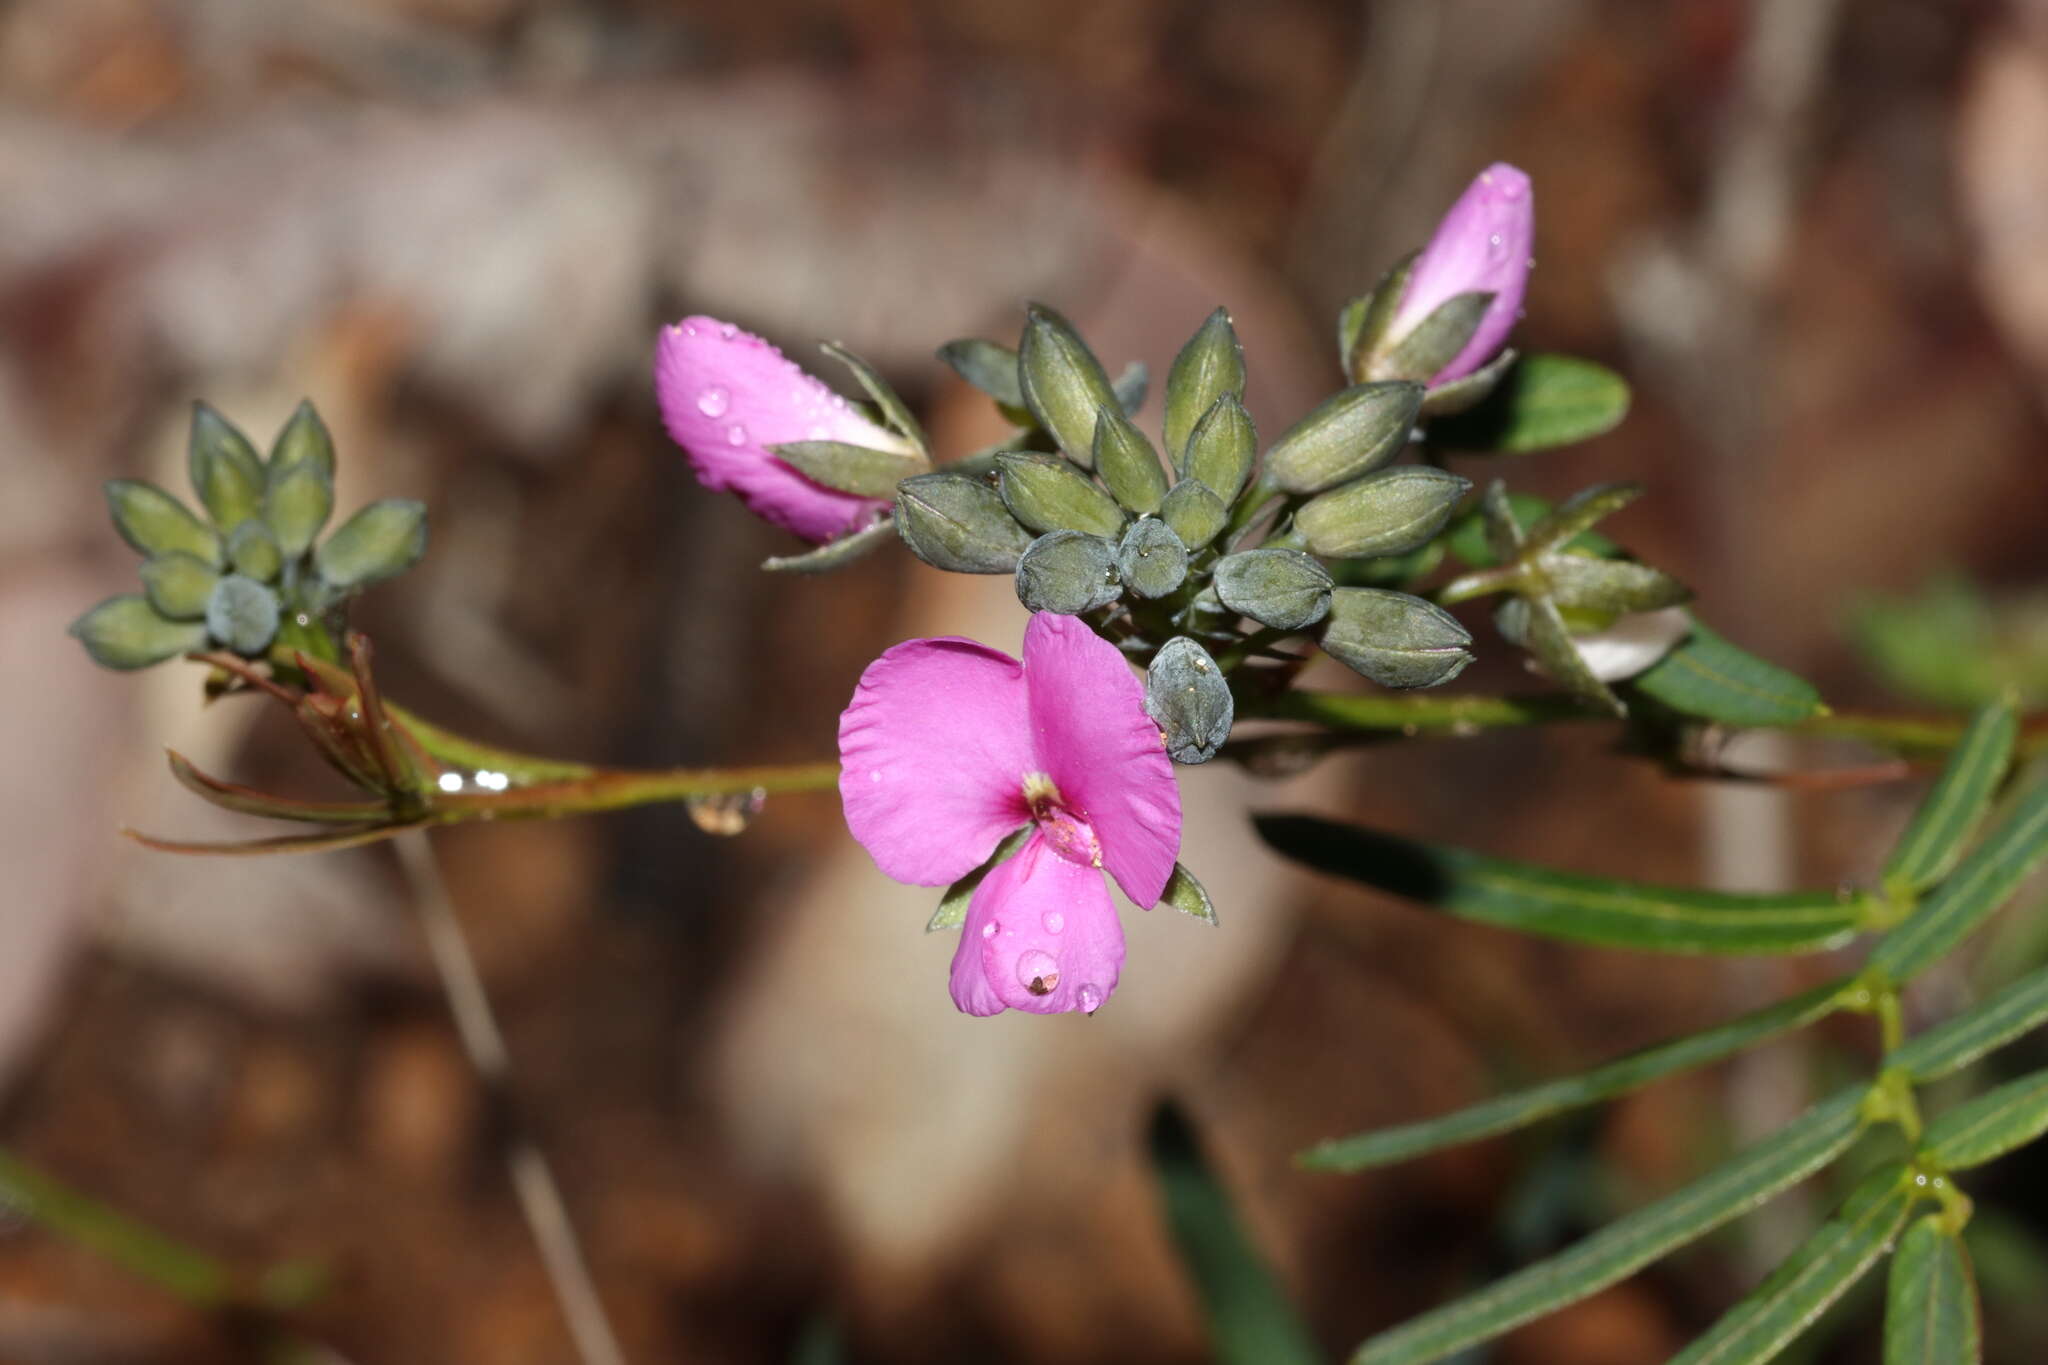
column 1063, row 383
column 1126, row 462
column 1068, row 572
column 1186, row 693
column 1222, row 448
column 958, row 524
column 381, row 541
column 226, row 472
column 1353, row 432
column 1209, row 366
column 1283, row 589
column 1387, row 513
column 1194, row 512
column 1395, row 639
column 1048, row 494
column 1151, row 561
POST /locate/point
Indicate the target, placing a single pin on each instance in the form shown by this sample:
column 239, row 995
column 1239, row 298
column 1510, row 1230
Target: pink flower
column 726, row 396
column 949, row 746
column 1482, row 244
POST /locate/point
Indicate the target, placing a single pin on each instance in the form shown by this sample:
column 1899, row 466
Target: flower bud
column 179, row 585
column 1185, row 692
column 1151, row 561
column 1353, row 432
column 1209, row 366
column 296, row 504
column 1048, row 494
column 1387, row 513
column 1068, row 572
column 126, row 632
column 1127, row 463
column 1222, row 448
column 1612, row 586
column 958, row 524
column 1468, row 282
column 1194, row 512
column 253, row 551
column 156, row 523
column 1395, row 639
column 381, row 541
column 304, row 441
column 1283, row 589
column 226, row 471
column 242, row 614
column 1064, row 384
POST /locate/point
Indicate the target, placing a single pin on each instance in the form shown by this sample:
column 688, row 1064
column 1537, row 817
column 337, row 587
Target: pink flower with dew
column 949, row 746
column 726, row 396
column 1482, row 244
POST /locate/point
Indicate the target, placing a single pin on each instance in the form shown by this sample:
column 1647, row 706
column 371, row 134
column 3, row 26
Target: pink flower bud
column 1482, row 244
column 727, row 396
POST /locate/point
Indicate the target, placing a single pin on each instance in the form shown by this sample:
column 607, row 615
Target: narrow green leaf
column 1708, row 677
column 1955, row 1043
column 1468, row 534
column 1188, row 895
column 1983, row 880
column 893, row 410
column 1987, row 1127
column 1249, row 1319
column 1545, row 401
column 1931, row 1315
column 1363, row 324
column 1785, row 1158
column 848, row 468
column 952, row 911
column 1507, row 1112
column 833, row 554
column 1540, row 900
column 1813, row 1277
column 989, row 366
column 1932, row 844
column 1580, row 512
column 1550, row 640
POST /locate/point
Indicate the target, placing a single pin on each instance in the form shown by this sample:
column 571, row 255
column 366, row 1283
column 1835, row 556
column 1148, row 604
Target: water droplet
column 729, row 331
column 714, row 401
column 1496, row 247
column 839, row 400
column 1090, row 998
column 449, row 782
column 689, row 329
column 989, row 930
column 1038, row 972
column 727, row 814
column 1054, row 921
column 736, row 435
column 874, row 774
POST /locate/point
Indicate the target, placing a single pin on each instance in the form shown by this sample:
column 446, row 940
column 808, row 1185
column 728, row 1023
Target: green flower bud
column 126, row 632
column 156, row 523
column 1222, row 448
column 242, row 614
column 226, row 472
column 297, row 504
column 1048, row 494
column 1126, row 462
column 1064, row 384
column 1194, row 512
column 1186, row 693
column 1395, row 639
column 1209, row 366
column 253, row 551
column 1151, row 561
column 958, row 524
column 1284, row 589
column 178, row 585
column 1068, row 572
column 1613, row 586
column 384, row 539
column 1352, row 433
column 304, row 441
column 1386, row 513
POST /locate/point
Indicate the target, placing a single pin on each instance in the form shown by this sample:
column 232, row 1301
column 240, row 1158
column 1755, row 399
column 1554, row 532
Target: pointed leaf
column 1987, row 1127
column 1982, row 882
column 1541, row 900
column 1785, row 1158
column 1931, row 1316
column 1435, row 341
column 1954, row 1043
column 1131, row 387
column 1505, row 1113
column 989, row 366
column 1813, row 1277
column 1188, row 895
column 1363, row 323
column 249, row 801
column 339, row 837
column 1934, row 841
column 892, row 408
column 952, row 909
column 1544, row 401
column 850, row 468
column 1579, row 513
column 835, row 553
column 1248, row 1317
column 1708, row 677
column 1550, row 640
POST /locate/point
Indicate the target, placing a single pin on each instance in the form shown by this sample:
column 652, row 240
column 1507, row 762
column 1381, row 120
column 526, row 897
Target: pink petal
column 1038, row 920
column 933, row 752
column 1483, row 243
column 727, row 395
column 1103, row 752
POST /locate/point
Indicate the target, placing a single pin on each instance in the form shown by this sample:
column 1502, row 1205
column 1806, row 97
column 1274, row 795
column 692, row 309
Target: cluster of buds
column 247, row 576
column 1197, row 555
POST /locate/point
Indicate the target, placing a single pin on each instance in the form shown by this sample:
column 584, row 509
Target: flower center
column 1070, row 835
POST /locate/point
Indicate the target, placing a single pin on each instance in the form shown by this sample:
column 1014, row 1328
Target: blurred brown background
column 1813, row 232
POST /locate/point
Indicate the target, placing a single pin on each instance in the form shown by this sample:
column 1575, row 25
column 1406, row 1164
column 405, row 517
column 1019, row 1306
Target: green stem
column 608, row 789
column 191, row 1275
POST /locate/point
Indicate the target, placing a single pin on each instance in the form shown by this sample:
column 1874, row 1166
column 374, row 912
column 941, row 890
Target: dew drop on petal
column 729, row 331
column 714, row 401
column 689, row 329
column 989, row 930
column 736, row 435
column 1090, row 999
column 1054, row 921
column 1496, row 248
column 1038, row 972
